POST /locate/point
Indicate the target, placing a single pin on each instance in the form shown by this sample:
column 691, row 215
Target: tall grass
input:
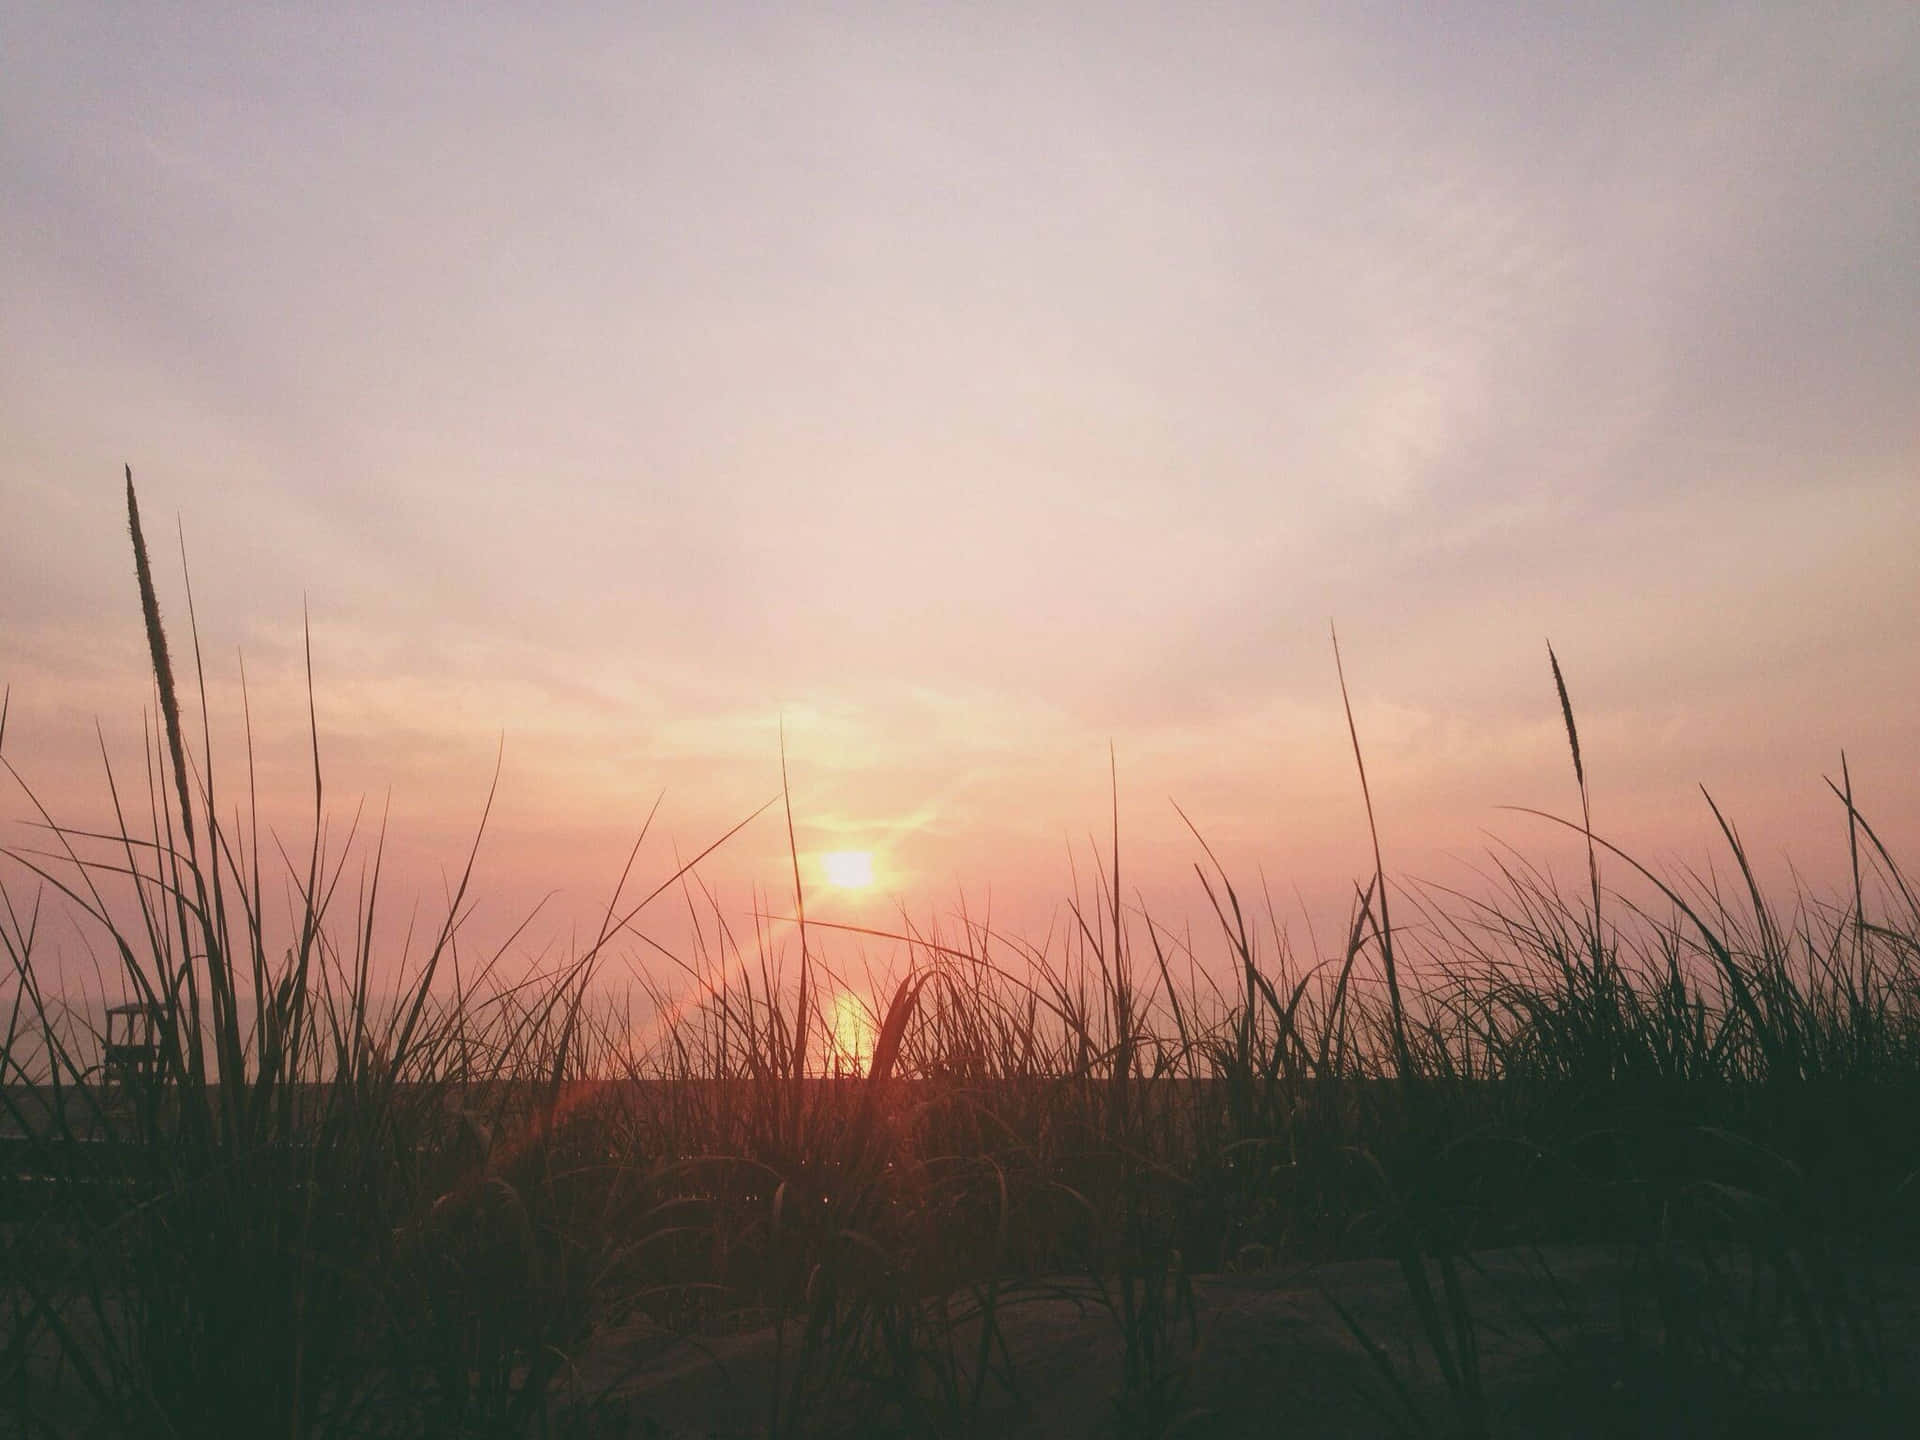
column 345, row 1206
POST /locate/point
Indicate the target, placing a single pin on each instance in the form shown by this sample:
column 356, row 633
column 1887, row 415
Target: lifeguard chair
column 132, row 1051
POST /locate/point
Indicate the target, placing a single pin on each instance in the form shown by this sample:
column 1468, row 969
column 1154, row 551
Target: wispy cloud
column 968, row 392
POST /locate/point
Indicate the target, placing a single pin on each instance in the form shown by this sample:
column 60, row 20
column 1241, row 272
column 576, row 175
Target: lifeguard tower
column 132, row 1051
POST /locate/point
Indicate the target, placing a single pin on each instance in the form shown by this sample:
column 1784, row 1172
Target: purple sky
column 974, row 387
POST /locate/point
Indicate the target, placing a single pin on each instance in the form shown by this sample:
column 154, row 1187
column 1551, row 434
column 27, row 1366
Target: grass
column 341, row 1208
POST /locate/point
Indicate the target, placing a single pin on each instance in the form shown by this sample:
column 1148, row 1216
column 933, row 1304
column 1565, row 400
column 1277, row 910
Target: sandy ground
column 1272, row 1355
column 1275, row 1357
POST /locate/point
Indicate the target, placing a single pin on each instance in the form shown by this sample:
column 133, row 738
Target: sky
column 980, row 404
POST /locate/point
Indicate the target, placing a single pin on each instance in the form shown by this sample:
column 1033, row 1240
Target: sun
column 848, row 869
column 852, row 1044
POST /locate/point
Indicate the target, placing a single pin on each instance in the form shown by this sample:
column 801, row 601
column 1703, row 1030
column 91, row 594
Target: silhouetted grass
column 331, row 1211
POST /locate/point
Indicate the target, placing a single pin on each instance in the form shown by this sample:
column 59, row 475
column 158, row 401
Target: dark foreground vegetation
column 326, row 1209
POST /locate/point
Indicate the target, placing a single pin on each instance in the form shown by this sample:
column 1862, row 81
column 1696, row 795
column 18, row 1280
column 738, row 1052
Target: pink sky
column 972, row 392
